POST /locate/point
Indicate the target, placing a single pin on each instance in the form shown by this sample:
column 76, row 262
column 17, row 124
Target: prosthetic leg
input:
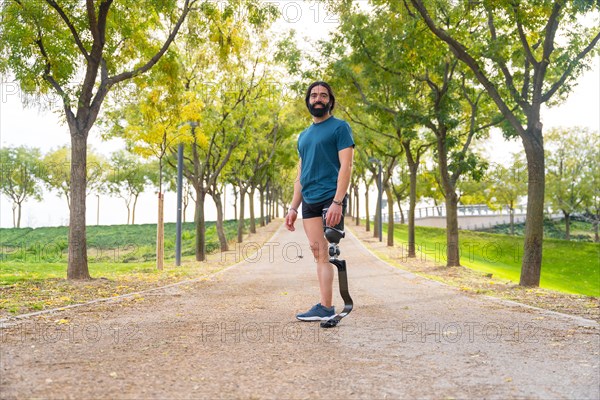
column 333, row 236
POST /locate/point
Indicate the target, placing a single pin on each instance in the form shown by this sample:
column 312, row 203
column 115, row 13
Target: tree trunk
column 19, row 209
column 262, row 207
column 220, row 228
column 367, row 219
column 350, row 204
column 390, row 229
column 160, row 233
column 235, row 203
column 452, row 247
column 357, row 205
column 200, row 226
column 251, row 206
column 451, row 201
column 412, row 201
column 511, row 210
column 377, row 216
column 135, row 199
column 531, row 266
column 240, row 231
column 567, row 225
column 78, row 263
column 401, row 211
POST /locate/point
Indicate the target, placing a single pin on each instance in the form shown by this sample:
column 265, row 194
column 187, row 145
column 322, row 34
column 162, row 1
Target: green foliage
column 36, row 42
column 581, row 230
column 571, row 155
column 56, row 167
column 19, row 176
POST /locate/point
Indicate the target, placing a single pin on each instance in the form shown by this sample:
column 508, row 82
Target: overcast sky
column 30, row 126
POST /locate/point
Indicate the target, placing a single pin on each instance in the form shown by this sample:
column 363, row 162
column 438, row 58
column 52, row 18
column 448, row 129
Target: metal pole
column 380, row 203
column 179, row 204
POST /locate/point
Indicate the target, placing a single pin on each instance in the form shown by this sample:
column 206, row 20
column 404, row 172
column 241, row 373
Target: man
column 326, row 150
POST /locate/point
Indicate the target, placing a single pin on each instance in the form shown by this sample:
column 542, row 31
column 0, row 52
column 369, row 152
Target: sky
column 35, row 127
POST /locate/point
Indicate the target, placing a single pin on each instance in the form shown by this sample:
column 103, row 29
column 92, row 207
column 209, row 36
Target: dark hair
column 326, row 86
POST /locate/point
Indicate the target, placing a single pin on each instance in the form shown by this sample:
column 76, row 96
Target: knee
column 319, row 251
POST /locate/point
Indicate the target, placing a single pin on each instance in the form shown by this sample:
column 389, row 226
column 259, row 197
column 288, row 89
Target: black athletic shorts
column 318, row 210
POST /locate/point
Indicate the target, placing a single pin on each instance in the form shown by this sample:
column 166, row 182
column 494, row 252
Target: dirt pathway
column 235, row 336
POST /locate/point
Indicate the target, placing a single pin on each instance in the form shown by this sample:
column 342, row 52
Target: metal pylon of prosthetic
column 333, row 236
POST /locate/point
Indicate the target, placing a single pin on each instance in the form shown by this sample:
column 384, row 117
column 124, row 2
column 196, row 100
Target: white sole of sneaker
column 315, row 318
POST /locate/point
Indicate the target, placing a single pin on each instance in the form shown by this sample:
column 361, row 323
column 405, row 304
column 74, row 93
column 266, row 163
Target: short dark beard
column 319, row 112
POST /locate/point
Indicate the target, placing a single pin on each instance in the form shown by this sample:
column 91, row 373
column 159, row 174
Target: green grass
column 28, row 254
column 571, row 267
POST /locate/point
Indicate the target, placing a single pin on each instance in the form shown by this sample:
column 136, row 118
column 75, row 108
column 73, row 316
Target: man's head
column 319, row 99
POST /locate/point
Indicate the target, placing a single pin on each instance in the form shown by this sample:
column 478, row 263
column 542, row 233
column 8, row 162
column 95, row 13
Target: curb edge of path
column 13, row 320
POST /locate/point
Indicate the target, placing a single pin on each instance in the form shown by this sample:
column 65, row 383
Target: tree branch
column 74, row 32
column 367, row 101
column 130, row 74
column 50, row 79
column 540, row 69
column 528, row 53
column 462, row 54
column 375, row 62
column 570, row 68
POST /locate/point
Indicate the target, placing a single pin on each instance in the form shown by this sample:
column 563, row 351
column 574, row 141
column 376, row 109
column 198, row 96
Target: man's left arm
column 334, row 214
column 346, row 159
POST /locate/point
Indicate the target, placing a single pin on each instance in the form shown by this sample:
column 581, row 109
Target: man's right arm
column 292, row 213
column 297, row 197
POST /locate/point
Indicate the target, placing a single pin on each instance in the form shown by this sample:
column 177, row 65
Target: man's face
column 319, row 102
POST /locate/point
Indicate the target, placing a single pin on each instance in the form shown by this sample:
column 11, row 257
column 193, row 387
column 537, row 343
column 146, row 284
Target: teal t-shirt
column 318, row 146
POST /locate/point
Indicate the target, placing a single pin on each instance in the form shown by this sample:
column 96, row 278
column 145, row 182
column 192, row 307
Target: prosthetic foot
column 333, row 236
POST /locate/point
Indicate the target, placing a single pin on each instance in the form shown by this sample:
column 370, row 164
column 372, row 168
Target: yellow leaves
column 357, row 69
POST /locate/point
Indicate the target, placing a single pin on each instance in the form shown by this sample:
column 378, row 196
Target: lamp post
column 378, row 215
column 178, row 228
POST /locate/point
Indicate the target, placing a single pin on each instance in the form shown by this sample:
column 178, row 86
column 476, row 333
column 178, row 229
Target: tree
column 56, row 167
column 500, row 187
column 49, row 45
column 148, row 122
column 127, row 180
column 568, row 154
column 218, row 71
column 20, row 168
column 592, row 181
column 513, row 50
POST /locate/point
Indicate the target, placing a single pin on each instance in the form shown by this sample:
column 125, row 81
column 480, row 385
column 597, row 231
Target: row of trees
column 412, row 77
column 572, row 180
column 26, row 173
column 424, row 74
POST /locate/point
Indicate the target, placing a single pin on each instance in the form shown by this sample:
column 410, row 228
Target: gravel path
column 235, row 336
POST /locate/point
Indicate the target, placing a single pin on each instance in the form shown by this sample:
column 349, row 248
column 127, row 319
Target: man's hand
column 334, row 215
column 290, row 219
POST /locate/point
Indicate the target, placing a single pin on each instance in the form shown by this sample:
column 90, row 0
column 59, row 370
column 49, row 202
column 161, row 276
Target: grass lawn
column 121, row 259
column 571, row 267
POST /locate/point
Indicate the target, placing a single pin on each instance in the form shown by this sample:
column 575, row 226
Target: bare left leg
column 319, row 247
